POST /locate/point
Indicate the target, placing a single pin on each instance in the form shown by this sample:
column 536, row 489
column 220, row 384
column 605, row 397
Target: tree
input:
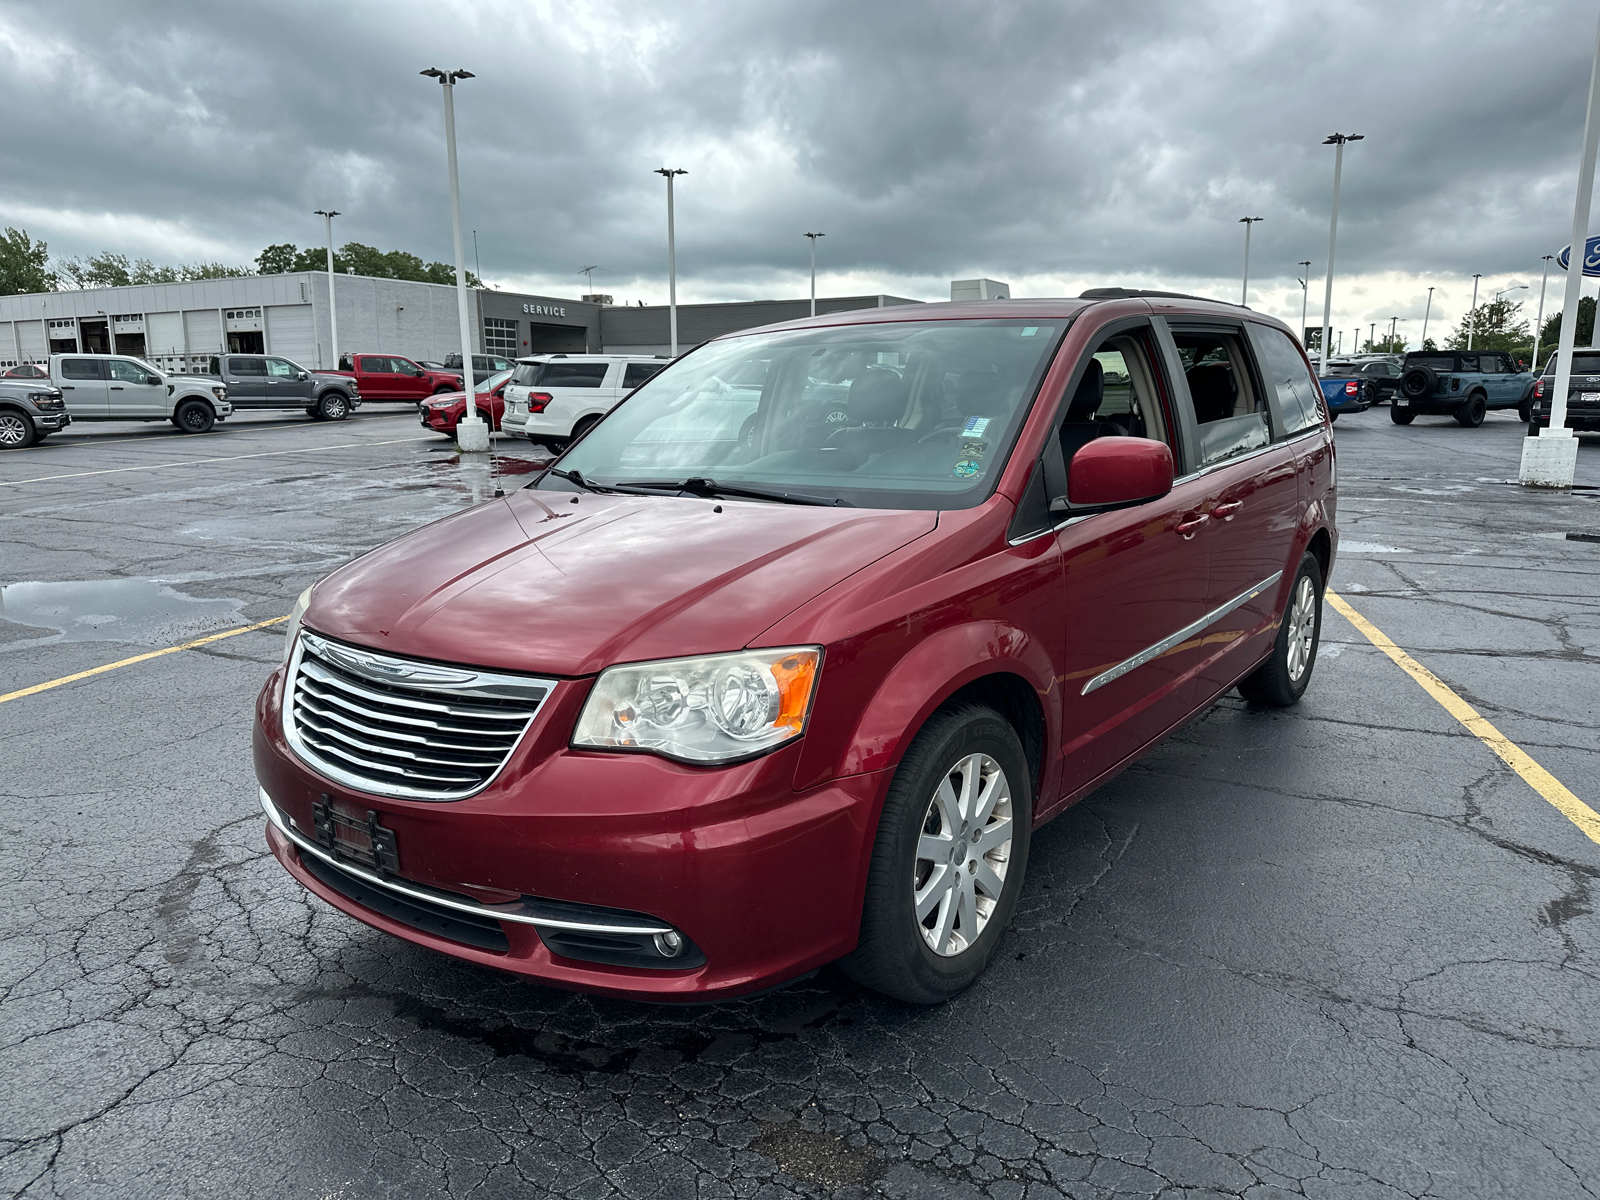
column 1497, row 325
column 24, row 264
column 359, row 259
column 1550, row 335
column 117, row 270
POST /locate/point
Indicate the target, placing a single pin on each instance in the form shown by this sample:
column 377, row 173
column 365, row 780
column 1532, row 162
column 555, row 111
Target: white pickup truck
column 117, row 387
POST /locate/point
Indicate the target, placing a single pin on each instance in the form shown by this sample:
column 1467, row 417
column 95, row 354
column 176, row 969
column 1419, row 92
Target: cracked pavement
column 1334, row 951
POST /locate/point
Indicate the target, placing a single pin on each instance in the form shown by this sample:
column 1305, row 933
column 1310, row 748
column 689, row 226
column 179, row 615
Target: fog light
column 669, row 944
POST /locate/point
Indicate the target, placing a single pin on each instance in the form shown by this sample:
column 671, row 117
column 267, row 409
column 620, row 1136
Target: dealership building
column 179, row 326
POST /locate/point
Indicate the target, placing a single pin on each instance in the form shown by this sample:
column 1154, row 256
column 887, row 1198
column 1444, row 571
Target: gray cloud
column 1079, row 142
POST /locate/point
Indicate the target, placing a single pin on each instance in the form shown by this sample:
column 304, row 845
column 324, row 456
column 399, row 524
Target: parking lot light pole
column 1472, row 313
column 1337, row 140
column 333, row 310
column 1305, row 294
column 476, row 434
column 672, row 259
column 1422, row 343
column 1244, row 294
column 1551, row 459
column 814, row 237
column 1538, row 324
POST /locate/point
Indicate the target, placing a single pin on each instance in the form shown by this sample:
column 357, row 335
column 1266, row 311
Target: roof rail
column 1122, row 293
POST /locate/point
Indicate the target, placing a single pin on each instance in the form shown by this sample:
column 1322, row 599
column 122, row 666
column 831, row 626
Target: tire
column 896, row 953
column 1533, row 428
column 1419, row 382
column 314, row 413
column 1469, row 415
column 1332, row 417
column 17, row 431
column 1282, row 679
column 335, row 406
column 1525, row 408
column 441, row 390
column 194, row 416
column 1401, row 416
column 582, row 427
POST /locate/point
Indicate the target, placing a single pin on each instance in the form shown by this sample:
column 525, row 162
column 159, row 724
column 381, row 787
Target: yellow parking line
column 1540, row 780
column 192, row 462
column 139, row 658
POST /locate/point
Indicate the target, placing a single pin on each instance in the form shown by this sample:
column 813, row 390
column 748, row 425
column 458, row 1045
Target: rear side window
column 247, row 366
column 573, row 375
column 81, row 368
column 637, row 373
column 374, row 365
column 1231, row 419
column 1289, row 380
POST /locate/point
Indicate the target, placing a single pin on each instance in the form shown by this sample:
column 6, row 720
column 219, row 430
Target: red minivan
column 783, row 662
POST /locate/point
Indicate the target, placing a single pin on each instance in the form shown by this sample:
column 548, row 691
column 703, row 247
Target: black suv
column 1463, row 384
column 1583, row 394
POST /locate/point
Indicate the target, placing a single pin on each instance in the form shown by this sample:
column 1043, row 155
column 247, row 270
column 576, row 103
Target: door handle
column 67, row 387
column 1227, row 511
column 1192, row 526
column 116, row 387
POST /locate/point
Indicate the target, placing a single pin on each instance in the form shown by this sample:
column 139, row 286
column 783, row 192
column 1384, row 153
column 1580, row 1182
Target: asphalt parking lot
column 1340, row 950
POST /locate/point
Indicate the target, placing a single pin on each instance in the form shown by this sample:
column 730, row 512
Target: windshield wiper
column 710, row 487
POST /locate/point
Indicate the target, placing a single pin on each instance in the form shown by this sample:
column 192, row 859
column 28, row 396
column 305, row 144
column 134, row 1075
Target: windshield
column 494, row 381
column 914, row 414
column 1582, row 364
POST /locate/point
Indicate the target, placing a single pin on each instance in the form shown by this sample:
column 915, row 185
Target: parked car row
column 106, row 387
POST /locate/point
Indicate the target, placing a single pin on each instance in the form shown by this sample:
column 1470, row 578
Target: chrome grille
column 403, row 727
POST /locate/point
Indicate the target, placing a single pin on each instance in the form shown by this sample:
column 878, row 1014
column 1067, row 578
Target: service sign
column 1591, row 257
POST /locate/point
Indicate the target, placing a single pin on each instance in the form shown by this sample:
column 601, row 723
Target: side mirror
column 303, row 376
column 1115, row 472
column 152, row 379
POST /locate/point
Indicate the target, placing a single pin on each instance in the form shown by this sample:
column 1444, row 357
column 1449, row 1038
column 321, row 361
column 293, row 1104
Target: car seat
column 876, row 401
column 1081, row 426
column 1211, row 389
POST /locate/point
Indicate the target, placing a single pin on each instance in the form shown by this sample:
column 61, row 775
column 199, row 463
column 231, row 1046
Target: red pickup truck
column 391, row 377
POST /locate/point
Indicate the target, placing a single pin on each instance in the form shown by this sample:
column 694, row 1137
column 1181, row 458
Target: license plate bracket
column 348, row 833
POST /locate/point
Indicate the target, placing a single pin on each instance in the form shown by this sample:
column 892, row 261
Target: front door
column 410, row 381
column 377, row 378
column 1134, row 581
column 247, row 381
column 131, row 393
column 83, row 382
column 285, row 387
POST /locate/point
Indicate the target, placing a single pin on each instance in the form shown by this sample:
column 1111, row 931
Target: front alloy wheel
column 16, row 431
column 963, row 854
column 948, row 860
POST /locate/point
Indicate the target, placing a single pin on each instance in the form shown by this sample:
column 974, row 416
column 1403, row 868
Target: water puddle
column 114, row 610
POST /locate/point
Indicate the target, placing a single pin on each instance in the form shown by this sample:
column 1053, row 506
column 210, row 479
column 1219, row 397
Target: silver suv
column 29, row 410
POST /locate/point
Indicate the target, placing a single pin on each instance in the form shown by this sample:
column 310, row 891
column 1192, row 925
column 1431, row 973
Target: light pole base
column 472, row 435
column 1549, row 461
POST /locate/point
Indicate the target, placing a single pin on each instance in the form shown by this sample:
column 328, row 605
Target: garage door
column 289, row 333
column 203, row 327
column 163, row 334
column 31, row 335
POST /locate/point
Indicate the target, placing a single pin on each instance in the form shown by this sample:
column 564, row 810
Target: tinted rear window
column 1582, row 364
column 81, row 368
column 570, row 374
column 1439, row 362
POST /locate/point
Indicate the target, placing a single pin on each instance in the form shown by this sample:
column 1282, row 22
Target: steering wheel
column 941, row 432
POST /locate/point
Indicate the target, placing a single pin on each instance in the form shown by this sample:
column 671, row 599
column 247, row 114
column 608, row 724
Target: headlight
column 292, row 629
column 702, row 710
column 221, row 393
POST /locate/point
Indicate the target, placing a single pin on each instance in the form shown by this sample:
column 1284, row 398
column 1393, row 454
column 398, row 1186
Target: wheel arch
column 986, row 662
column 1321, row 546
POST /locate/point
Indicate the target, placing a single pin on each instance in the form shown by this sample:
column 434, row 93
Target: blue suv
column 1464, row 384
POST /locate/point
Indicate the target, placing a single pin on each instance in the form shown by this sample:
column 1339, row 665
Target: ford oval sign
column 1591, row 257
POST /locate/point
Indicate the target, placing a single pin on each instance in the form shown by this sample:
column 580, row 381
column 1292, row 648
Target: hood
column 539, row 584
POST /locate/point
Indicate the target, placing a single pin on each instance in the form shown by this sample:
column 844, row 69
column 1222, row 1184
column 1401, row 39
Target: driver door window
column 284, row 382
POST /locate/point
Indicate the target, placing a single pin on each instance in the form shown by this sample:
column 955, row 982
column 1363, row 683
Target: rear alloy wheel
column 1282, row 679
column 194, row 416
column 334, row 407
column 1470, row 414
column 1400, row 416
column 949, row 858
column 16, row 431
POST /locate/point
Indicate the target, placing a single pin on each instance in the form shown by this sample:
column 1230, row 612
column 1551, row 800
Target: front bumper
column 51, row 420
column 442, row 422
column 764, row 881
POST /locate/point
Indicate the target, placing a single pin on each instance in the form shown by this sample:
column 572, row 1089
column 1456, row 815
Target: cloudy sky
column 1052, row 145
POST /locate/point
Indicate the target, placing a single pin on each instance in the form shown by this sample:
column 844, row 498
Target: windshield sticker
column 974, row 427
column 966, row 468
column 971, row 448
column 1030, row 331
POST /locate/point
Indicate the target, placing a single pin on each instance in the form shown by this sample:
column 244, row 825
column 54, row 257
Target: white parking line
column 142, row 437
column 193, row 462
